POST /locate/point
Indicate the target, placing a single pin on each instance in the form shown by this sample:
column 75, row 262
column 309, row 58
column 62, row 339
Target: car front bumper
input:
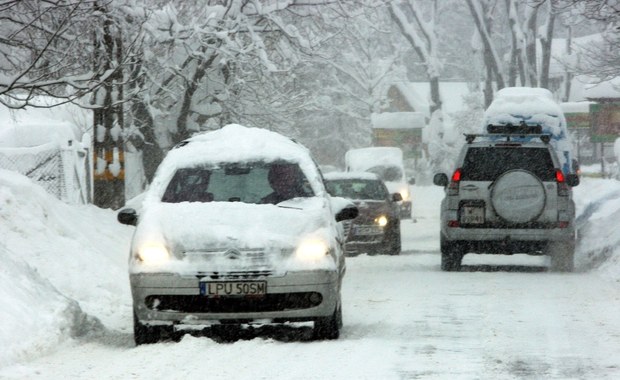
column 167, row 298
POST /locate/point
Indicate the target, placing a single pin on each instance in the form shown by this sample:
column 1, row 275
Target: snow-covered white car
column 508, row 195
column 212, row 246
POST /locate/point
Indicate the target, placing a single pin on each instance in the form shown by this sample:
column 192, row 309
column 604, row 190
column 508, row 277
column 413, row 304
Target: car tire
column 392, row 241
column 562, row 255
column 144, row 334
column 451, row 255
column 328, row 328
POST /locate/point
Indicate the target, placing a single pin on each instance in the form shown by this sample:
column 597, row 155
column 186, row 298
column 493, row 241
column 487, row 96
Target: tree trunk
column 109, row 173
column 545, row 43
column 182, row 132
column 530, row 50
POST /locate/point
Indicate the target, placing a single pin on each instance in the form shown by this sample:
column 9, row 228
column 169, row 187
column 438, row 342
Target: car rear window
column 488, row 163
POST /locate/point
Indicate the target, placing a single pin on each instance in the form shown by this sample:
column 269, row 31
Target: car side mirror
column 128, row 216
column 347, row 213
column 412, row 181
column 440, row 179
column 397, row 197
column 572, row 180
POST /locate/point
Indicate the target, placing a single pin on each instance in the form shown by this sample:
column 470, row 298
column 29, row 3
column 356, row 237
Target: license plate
column 367, row 230
column 472, row 215
column 229, row 288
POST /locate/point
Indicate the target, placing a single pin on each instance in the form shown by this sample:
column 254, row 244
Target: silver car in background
column 215, row 244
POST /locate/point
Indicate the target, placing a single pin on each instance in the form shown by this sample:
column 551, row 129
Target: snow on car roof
column 365, row 158
column 350, row 175
column 235, row 143
column 533, row 105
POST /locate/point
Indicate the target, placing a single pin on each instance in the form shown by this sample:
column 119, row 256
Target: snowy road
column 501, row 318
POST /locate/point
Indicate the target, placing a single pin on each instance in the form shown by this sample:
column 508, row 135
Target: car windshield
column 357, row 189
column 256, row 182
column 488, row 163
column 387, row 173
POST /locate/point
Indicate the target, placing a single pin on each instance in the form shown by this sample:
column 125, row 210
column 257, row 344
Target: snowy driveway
column 502, row 318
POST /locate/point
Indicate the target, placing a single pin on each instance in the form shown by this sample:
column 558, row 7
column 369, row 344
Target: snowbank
column 60, row 263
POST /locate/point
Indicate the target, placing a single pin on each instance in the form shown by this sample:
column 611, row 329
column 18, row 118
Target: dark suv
column 508, row 195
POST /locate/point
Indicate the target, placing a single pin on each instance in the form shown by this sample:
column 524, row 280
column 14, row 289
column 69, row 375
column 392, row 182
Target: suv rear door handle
column 469, row 187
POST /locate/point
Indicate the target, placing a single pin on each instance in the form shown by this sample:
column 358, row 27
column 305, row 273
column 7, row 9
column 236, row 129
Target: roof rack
column 521, row 129
column 544, row 137
column 510, row 131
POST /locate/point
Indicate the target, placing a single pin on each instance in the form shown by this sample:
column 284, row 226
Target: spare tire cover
column 518, row 196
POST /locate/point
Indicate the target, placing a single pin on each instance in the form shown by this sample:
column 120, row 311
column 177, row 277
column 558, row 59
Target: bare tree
column 420, row 32
column 599, row 59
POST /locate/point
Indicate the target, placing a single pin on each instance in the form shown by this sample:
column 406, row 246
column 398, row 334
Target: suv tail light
column 453, row 186
column 561, row 182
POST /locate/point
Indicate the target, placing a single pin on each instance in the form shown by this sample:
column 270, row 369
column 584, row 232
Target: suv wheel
column 145, row 334
column 451, row 255
column 328, row 327
column 562, row 256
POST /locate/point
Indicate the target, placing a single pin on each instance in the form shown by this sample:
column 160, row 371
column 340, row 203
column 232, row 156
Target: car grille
column 251, row 259
column 202, row 304
column 235, row 275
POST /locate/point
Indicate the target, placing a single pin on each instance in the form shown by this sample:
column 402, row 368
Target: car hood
column 196, row 226
column 371, row 209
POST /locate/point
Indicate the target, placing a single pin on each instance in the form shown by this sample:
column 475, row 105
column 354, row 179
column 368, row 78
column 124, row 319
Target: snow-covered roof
column 34, row 126
column 603, row 90
column 350, row 175
column 398, row 120
column 413, row 93
column 575, row 107
column 418, row 94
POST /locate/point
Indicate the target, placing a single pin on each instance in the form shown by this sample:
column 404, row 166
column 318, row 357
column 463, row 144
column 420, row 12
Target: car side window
column 189, row 185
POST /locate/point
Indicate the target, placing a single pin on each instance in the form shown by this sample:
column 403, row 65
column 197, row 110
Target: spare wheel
column 518, row 196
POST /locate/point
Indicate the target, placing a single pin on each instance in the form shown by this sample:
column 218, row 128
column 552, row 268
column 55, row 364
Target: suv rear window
column 488, row 163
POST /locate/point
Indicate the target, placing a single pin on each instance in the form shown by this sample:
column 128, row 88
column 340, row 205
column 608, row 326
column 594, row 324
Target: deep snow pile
column 60, row 263
column 64, row 267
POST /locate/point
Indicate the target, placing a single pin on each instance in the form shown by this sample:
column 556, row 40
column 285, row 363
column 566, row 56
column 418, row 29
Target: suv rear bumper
column 507, row 234
column 533, row 242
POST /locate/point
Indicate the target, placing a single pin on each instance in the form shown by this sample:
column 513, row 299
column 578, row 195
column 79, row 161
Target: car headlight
column 404, row 193
column 381, row 220
column 312, row 250
column 153, row 254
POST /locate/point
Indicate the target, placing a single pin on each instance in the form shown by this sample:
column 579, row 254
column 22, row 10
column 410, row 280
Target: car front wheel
column 392, row 242
column 328, row 328
column 145, row 334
